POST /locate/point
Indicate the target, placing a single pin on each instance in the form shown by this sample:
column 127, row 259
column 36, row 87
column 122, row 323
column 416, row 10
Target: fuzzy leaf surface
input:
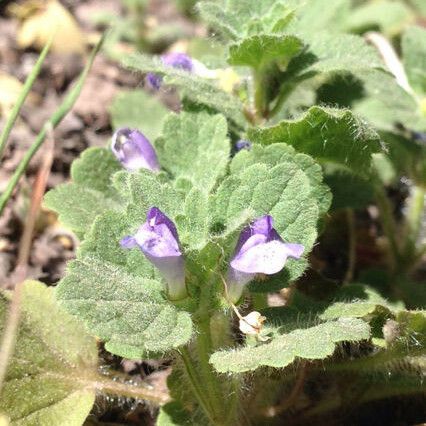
column 360, row 301
column 316, row 342
column 195, row 147
column 45, row 381
column 89, row 194
column 327, row 135
column 260, row 50
column 236, row 19
column 130, row 313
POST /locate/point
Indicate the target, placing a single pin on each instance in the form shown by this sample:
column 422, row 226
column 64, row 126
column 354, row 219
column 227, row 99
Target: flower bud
column 243, row 144
column 159, row 242
column 252, row 323
column 133, row 150
column 173, row 59
column 260, row 250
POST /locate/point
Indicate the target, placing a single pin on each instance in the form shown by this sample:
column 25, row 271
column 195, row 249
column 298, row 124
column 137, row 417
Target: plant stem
column 195, row 382
column 208, row 376
column 261, row 108
column 112, row 387
column 22, row 96
column 53, row 121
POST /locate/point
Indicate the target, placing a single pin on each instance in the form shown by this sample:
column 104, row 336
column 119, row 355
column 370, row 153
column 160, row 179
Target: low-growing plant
column 188, row 235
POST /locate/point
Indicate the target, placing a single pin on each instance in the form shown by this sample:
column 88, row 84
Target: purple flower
column 159, row 242
column 260, row 250
column 133, row 150
column 175, row 60
column 243, row 144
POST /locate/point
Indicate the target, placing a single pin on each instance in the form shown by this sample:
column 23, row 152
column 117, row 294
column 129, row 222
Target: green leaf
column 54, row 360
column 198, row 90
column 388, row 16
column 341, row 53
column 315, row 16
column 235, row 19
column 173, row 414
column 137, row 110
column 91, row 192
column 327, row 135
column 360, row 301
column 385, row 103
column 316, row 342
column 414, row 58
column 349, row 189
column 130, row 313
column 280, row 153
column 195, row 147
column 260, row 50
column 193, row 225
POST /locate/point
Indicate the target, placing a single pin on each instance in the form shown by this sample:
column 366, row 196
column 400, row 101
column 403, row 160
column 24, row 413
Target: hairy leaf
column 236, row 19
column 91, row 193
column 359, row 301
column 317, row 342
column 130, row 313
column 327, row 135
column 46, row 381
column 195, row 147
column 260, row 50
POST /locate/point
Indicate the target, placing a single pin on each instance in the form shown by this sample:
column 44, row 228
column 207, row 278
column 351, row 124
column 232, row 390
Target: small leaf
column 137, row 110
column 260, row 50
column 91, row 192
column 54, row 359
column 327, row 135
column 195, row 147
column 317, row 342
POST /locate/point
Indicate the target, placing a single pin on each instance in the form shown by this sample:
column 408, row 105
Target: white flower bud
column 252, row 323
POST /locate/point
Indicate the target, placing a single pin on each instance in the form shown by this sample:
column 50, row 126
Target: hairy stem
column 112, row 387
column 197, row 388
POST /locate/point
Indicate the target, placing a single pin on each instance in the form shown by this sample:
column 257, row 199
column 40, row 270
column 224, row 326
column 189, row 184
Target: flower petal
column 267, row 258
